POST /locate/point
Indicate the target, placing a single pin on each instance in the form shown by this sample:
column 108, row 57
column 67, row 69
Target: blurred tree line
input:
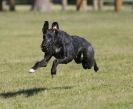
column 72, row 2
column 45, row 5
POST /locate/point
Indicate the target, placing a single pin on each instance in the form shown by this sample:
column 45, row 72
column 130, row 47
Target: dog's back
column 80, row 43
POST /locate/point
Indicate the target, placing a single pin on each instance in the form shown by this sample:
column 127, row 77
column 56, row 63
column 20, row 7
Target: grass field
column 73, row 87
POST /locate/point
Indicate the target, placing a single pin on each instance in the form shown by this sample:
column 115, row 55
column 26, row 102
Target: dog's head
column 49, row 36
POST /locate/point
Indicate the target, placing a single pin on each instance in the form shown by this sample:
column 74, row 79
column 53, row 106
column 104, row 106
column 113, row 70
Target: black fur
column 64, row 48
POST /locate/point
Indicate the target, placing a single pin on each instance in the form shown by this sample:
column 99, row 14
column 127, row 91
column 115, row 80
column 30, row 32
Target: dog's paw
column 32, row 71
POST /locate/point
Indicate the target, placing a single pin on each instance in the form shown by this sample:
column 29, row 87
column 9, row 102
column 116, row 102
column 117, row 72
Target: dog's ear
column 55, row 25
column 45, row 27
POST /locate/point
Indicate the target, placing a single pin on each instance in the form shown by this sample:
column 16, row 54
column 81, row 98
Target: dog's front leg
column 42, row 63
column 59, row 61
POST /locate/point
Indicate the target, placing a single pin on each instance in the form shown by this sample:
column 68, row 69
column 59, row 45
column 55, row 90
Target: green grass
column 73, row 87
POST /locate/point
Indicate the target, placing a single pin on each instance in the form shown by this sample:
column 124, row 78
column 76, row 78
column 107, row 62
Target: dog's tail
column 95, row 67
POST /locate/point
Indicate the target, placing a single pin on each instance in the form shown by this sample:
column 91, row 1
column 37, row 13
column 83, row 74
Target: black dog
column 64, row 48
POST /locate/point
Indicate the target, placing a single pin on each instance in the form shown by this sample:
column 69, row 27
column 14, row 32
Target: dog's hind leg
column 88, row 58
column 42, row 63
column 86, row 64
column 78, row 59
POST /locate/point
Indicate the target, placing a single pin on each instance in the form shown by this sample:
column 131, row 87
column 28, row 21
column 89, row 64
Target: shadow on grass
column 31, row 91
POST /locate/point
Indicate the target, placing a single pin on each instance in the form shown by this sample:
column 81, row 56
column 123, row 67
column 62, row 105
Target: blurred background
column 47, row 5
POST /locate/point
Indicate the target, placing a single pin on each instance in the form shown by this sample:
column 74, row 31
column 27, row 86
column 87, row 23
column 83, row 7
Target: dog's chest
column 57, row 49
column 58, row 52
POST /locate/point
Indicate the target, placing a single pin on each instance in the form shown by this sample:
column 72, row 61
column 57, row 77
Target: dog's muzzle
column 46, row 48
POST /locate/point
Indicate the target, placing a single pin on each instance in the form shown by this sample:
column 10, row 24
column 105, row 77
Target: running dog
column 64, row 48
